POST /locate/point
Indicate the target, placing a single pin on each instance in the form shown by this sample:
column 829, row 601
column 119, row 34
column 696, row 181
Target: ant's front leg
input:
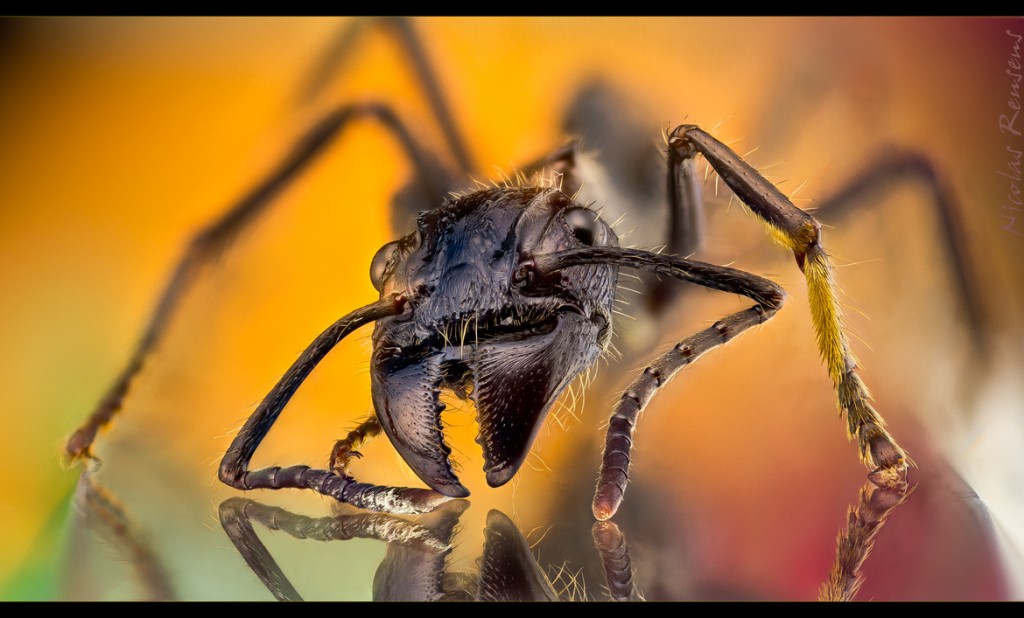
column 801, row 233
column 345, row 451
column 234, row 467
column 855, row 541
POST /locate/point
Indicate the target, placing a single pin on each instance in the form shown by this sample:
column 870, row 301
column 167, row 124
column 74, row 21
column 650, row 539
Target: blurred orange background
column 122, row 137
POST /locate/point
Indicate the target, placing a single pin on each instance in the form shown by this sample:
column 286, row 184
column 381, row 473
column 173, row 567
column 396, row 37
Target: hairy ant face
column 479, row 324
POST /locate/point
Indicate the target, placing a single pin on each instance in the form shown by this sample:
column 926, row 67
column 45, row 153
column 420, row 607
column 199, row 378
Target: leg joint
column 679, row 144
column 654, row 373
column 685, row 350
column 230, row 472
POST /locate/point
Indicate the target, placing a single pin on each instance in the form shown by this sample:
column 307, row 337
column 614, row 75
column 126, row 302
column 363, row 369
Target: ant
column 503, row 295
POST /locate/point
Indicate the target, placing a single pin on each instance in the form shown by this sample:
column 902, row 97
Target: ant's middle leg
column 218, row 236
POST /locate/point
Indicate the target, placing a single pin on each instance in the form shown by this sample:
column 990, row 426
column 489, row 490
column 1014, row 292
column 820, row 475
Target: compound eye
column 379, row 264
column 586, row 226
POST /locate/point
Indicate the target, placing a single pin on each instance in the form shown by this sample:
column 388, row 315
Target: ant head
column 484, row 327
